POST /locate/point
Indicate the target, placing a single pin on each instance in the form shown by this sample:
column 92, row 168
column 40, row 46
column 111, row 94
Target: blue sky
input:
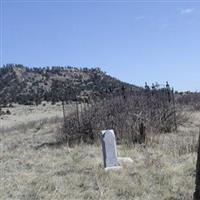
column 135, row 41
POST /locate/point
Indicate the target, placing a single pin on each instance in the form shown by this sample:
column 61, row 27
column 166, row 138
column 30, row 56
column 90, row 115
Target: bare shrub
column 190, row 99
column 124, row 112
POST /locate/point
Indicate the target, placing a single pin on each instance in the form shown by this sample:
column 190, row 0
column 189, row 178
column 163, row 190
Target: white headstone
column 109, row 150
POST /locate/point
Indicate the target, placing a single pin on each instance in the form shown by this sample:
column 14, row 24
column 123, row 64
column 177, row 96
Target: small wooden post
column 77, row 115
column 142, row 133
column 174, row 110
column 197, row 189
column 63, row 108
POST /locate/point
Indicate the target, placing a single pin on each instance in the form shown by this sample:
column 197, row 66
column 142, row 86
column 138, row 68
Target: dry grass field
column 163, row 170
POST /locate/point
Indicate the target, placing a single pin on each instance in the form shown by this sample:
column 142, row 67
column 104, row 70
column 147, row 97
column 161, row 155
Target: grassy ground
column 163, row 170
column 23, row 114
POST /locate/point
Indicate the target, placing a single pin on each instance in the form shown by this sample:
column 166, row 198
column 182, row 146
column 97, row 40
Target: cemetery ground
column 162, row 170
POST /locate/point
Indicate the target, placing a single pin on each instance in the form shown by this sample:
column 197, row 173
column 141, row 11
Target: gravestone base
column 113, row 168
column 124, row 160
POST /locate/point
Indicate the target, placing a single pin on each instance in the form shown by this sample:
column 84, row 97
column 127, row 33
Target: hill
column 26, row 85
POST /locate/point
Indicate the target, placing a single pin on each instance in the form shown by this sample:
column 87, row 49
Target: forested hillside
column 27, row 85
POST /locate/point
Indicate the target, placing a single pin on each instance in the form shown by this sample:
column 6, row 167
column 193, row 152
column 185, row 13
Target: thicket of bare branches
column 129, row 113
column 190, row 99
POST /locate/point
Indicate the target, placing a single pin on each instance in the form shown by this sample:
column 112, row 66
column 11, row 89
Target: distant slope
column 32, row 85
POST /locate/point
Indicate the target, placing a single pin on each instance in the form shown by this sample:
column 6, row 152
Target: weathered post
column 174, row 109
column 63, row 108
column 142, row 129
column 197, row 189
